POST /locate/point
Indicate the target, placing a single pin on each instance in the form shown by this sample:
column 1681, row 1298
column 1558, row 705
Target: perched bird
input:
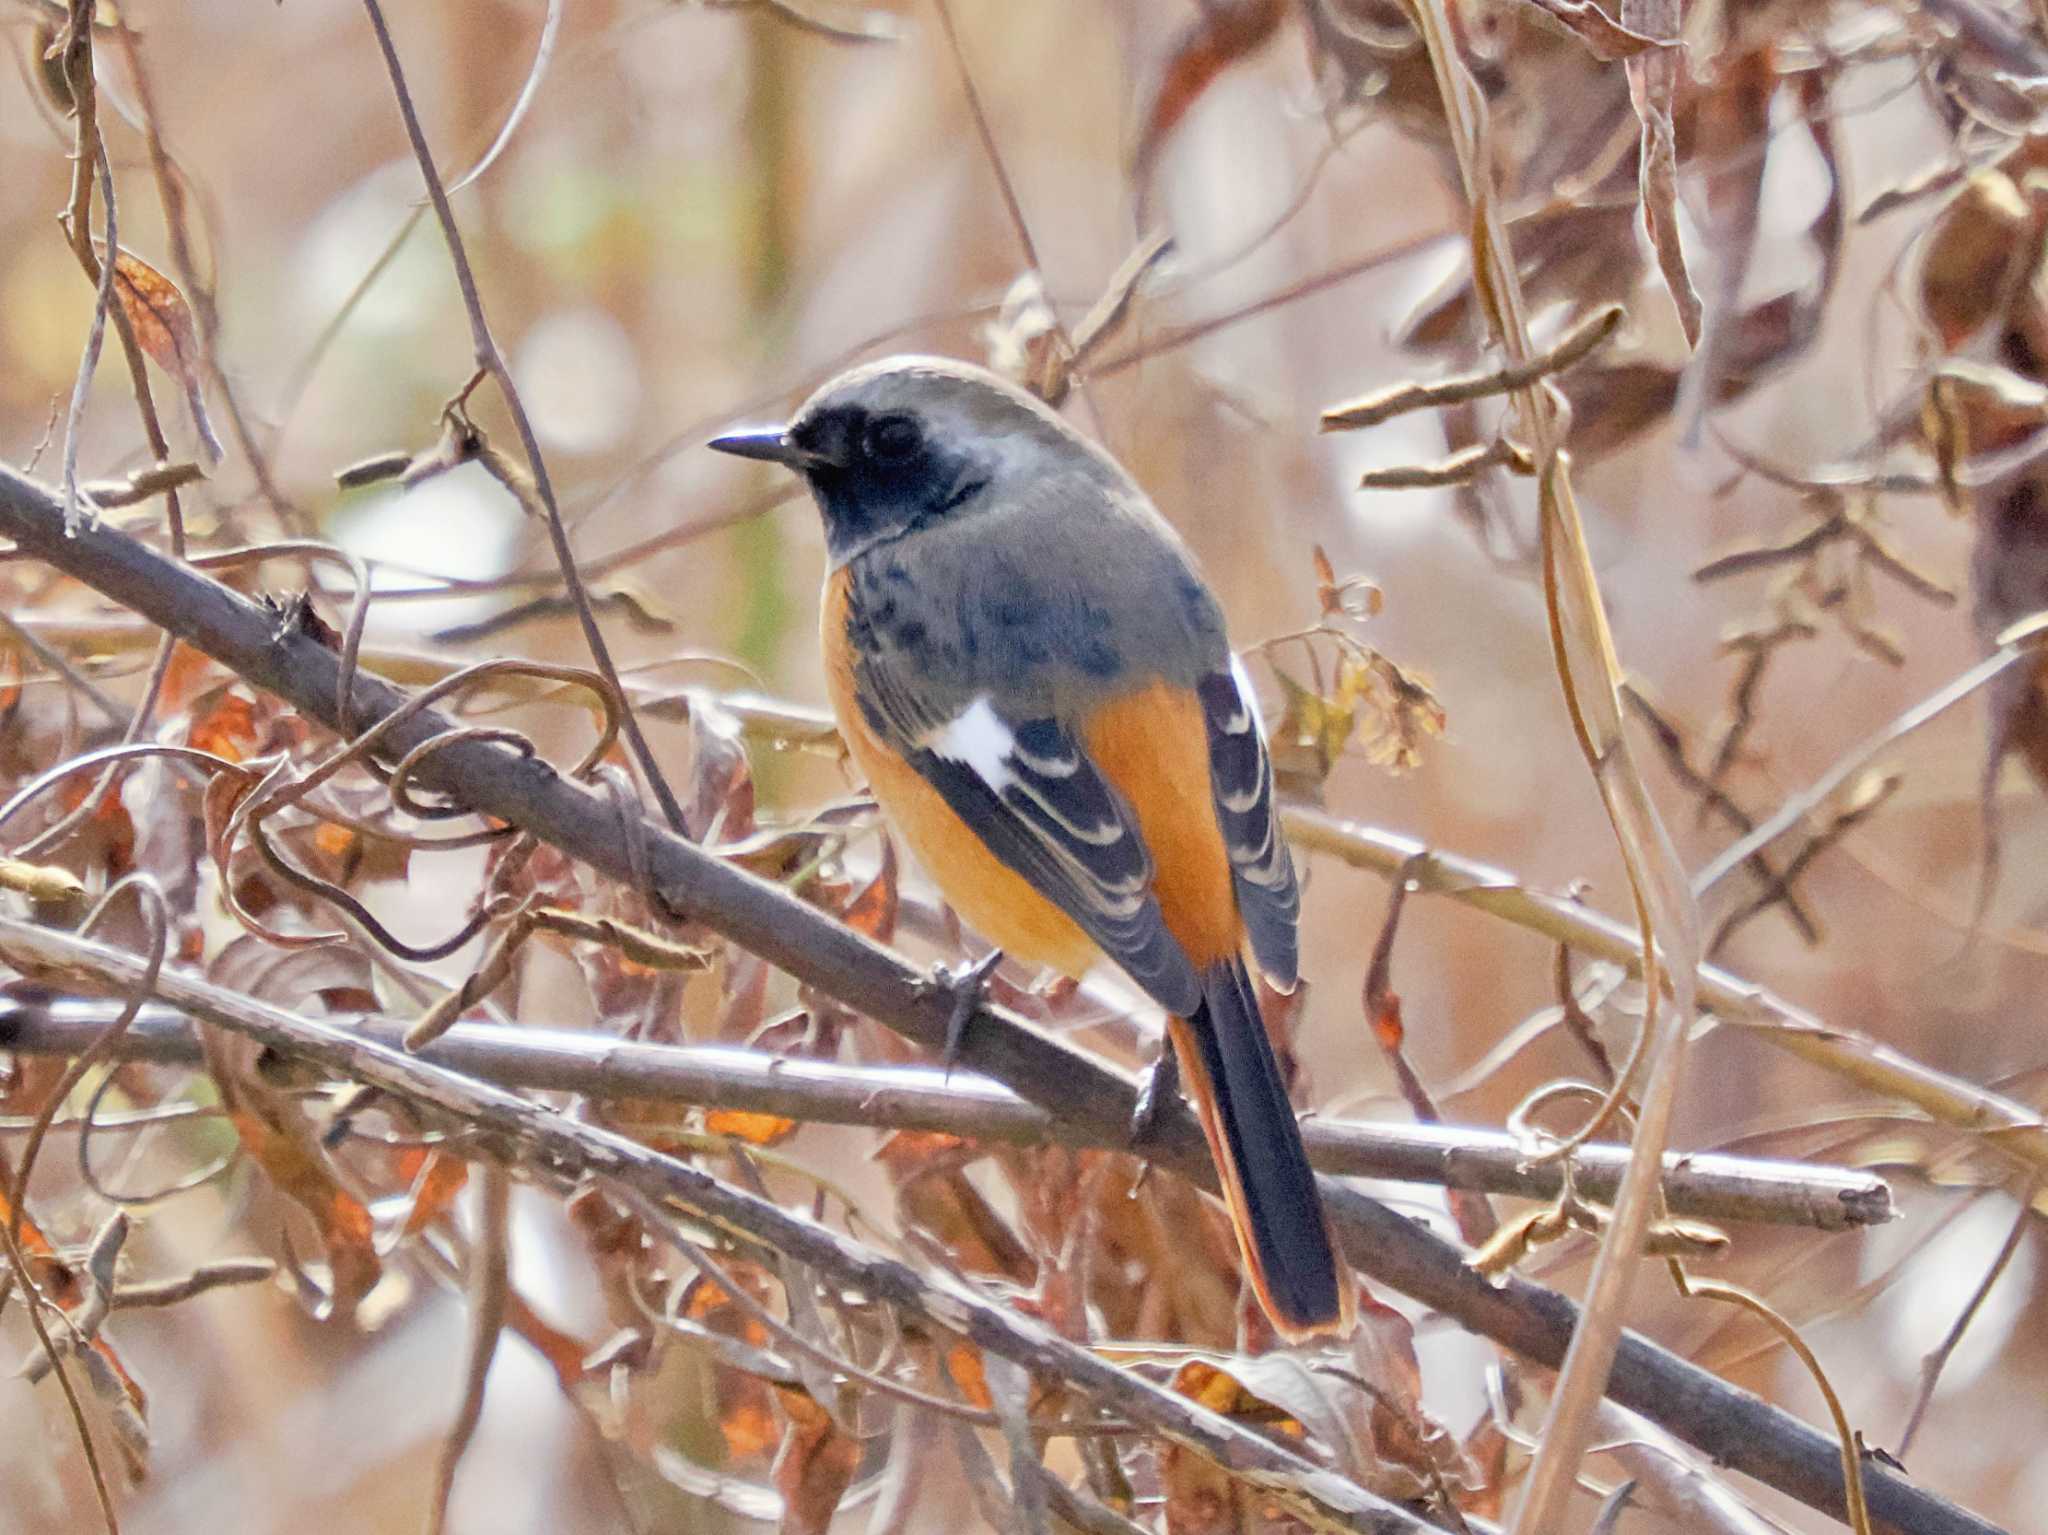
column 1036, row 681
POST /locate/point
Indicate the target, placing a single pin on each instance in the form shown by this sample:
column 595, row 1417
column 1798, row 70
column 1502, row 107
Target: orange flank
column 1153, row 748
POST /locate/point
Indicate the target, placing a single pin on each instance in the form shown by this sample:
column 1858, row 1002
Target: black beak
column 770, row 444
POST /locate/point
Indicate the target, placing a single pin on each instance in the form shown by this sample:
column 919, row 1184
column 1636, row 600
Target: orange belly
column 1150, row 744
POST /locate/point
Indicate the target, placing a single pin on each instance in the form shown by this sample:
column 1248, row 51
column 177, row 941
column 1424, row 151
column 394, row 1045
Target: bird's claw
column 966, row 987
column 1160, row 1087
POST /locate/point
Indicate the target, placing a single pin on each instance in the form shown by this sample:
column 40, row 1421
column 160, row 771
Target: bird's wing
column 1028, row 788
column 1268, row 896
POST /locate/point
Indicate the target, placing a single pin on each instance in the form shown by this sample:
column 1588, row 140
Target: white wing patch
column 1247, row 698
column 978, row 738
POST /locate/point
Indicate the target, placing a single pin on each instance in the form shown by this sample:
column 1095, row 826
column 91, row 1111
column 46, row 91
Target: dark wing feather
column 1046, row 812
column 1242, row 774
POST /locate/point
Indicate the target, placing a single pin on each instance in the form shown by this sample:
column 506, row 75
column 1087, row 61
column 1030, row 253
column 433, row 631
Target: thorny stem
column 1734, row 999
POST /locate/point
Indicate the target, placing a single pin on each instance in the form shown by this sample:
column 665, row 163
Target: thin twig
column 2025, row 646
column 155, row 1294
column 1686, row 1491
column 489, row 1255
column 1938, row 1357
column 89, row 154
column 1583, row 654
column 171, row 196
column 489, row 359
column 1869, row 797
column 1570, row 349
column 986, row 134
column 18, row 1272
column 543, row 51
column 1858, row 1512
column 1461, row 468
column 103, row 274
column 1713, row 797
column 74, row 679
column 2006, row 1124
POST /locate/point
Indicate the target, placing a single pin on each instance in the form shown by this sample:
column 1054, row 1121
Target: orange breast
column 1151, row 744
column 990, row 897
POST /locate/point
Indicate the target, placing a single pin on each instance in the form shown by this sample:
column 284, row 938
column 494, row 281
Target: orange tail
column 1229, row 1068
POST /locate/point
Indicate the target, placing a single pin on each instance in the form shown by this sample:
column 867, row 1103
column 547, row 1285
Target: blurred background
column 701, row 211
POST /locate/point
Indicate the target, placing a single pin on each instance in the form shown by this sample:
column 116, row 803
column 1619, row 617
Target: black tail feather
column 1234, row 1078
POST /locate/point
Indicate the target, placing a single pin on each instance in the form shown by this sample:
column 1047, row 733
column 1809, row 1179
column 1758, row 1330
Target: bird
column 1032, row 673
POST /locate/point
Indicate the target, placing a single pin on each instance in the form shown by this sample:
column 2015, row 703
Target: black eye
column 892, row 440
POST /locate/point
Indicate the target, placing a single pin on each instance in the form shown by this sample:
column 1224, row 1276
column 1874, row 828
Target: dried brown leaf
column 1201, row 1497
column 291, row 1160
column 753, row 1128
column 872, row 911
column 2009, row 576
column 1312, row 731
column 935, row 1194
column 1614, row 404
column 162, row 321
column 720, row 803
column 225, row 723
column 437, row 1178
column 814, row 1465
column 1974, row 255
column 745, row 1404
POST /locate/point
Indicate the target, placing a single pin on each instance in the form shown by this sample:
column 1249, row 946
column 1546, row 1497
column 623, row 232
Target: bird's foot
column 966, row 986
column 1160, row 1087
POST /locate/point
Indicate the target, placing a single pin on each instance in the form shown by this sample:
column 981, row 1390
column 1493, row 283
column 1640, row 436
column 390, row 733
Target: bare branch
column 1706, row 1185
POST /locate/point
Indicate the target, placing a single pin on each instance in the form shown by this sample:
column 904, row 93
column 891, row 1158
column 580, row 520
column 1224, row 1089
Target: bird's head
column 900, row 444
